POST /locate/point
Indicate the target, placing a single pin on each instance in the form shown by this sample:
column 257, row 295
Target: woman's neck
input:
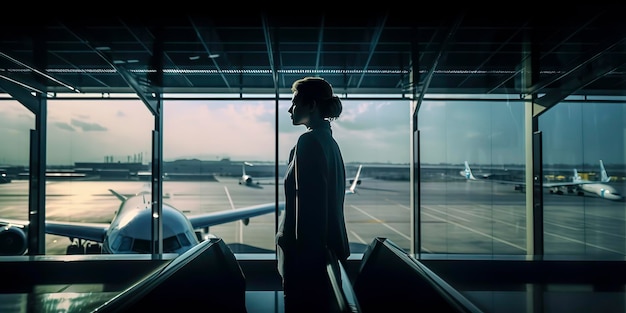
column 318, row 123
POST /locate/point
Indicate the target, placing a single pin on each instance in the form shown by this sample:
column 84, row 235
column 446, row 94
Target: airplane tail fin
column 356, row 180
column 576, row 177
column 468, row 172
column 118, row 195
column 603, row 175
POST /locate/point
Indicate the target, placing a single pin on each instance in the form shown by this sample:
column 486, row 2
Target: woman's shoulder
column 305, row 139
column 313, row 136
column 309, row 140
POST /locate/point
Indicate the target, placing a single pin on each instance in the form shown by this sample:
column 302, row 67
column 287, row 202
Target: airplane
column 130, row 230
column 248, row 180
column 4, row 177
column 577, row 185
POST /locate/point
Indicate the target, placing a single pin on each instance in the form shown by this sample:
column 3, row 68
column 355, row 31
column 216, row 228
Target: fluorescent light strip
column 39, row 72
column 21, row 84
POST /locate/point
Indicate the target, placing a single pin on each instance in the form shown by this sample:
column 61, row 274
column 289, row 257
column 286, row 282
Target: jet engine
column 12, row 240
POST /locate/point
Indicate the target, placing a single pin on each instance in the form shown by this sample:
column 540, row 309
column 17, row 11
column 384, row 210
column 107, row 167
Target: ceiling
column 578, row 50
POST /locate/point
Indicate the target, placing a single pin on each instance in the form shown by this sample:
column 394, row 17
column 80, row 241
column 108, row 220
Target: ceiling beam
column 39, row 72
column 577, row 78
column 140, row 89
column 372, row 48
column 443, row 50
column 20, row 92
column 148, row 50
column 270, row 51
column 520, row 67
column 208, row 52
column 320, row 44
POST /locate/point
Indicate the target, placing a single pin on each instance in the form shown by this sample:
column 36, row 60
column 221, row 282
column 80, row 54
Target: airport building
column 485, row 158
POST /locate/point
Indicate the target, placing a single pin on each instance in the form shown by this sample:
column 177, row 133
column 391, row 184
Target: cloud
column 64, row 126
column 86, row 127
column 224, row 128
column 366, row 115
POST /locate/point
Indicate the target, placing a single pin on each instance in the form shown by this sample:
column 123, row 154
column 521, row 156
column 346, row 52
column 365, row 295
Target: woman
column 312, row 226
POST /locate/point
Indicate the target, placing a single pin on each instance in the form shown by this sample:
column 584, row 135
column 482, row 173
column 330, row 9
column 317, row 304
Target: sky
column 91, row 130
column 487, row 132
column 368, row 131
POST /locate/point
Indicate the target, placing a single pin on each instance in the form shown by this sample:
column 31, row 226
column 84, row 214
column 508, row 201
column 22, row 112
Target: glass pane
column 473, row 209
column 583, row 216
column 93, row 146
column 15, row 124
column 207, row 146
column 374, row 134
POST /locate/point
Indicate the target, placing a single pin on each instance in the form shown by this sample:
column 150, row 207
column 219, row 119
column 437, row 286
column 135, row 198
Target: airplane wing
column 221, row 217
column 87, row 231
column 545, row 185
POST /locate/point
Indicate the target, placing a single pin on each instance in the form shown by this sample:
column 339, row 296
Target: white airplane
column 577, row 185
column 130, row 230
column 4, row 177
column 249, row 181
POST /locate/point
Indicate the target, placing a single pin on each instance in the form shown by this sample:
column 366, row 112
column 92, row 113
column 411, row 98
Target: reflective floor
column 69, row 302
column 264, row 301
column 535, row 298
column 549, row 299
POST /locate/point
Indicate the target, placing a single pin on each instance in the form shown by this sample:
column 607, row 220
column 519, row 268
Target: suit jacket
column 314, row 185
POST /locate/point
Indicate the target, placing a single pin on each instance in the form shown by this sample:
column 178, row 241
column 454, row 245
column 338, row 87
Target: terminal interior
column 543, row 87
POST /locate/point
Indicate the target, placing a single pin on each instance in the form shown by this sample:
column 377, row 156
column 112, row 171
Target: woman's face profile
column 299, row 112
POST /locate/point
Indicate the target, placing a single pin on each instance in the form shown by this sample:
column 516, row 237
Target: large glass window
column 473, row 209
column 472, row 169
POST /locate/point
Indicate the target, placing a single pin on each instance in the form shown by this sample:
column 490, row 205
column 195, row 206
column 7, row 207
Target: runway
column 457, row 217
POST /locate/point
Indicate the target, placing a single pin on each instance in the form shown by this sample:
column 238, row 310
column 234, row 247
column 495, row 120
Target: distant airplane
column 467, row 173
column 249, row 181
column 577, row 185
column 356, row 180
column 4, row 177
column 130, row 231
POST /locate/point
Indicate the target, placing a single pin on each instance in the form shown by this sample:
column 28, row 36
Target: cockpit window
column 141, row 246
column 170, row 244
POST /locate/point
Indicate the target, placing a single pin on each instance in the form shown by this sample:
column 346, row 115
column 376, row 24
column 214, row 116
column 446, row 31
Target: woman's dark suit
column 313, row 219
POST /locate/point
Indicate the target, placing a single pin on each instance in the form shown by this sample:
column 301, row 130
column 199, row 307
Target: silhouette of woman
column 312, row 226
